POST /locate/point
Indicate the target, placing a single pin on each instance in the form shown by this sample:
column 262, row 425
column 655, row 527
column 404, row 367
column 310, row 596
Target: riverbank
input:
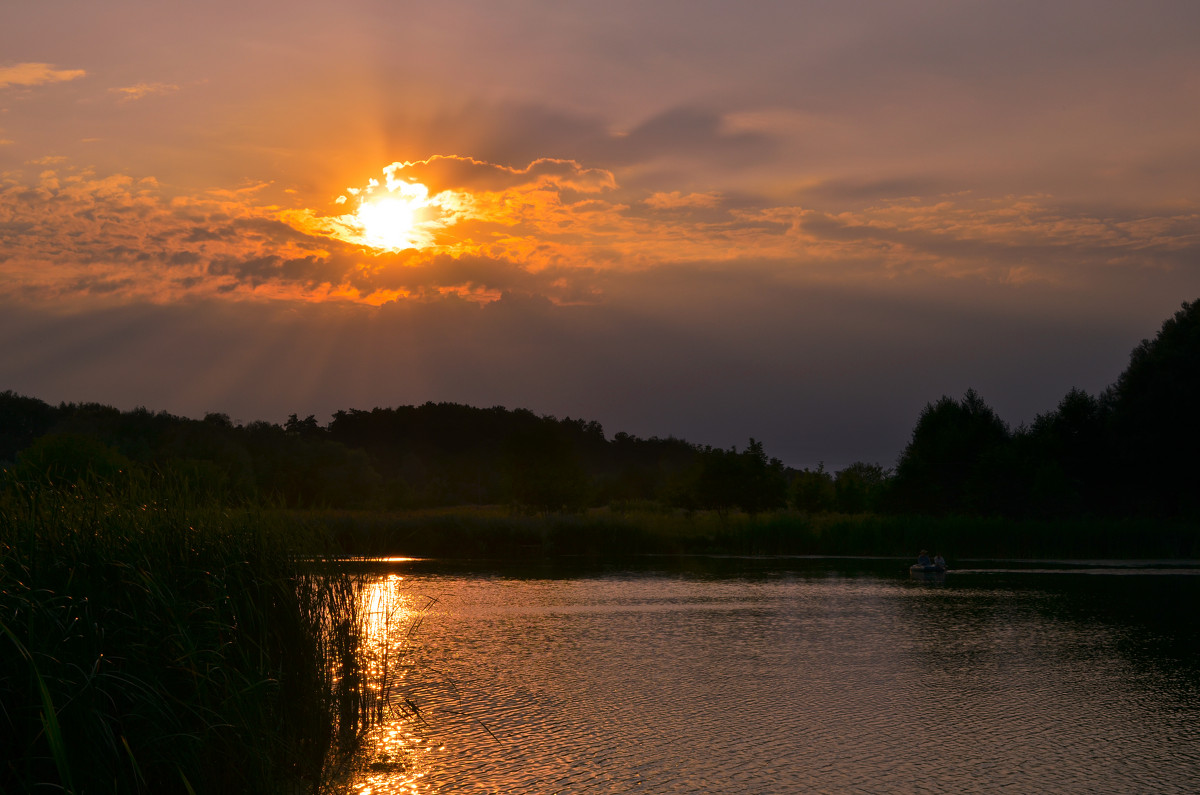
column 497, row 532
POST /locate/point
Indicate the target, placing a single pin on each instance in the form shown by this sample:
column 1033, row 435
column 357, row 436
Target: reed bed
column 154, row 645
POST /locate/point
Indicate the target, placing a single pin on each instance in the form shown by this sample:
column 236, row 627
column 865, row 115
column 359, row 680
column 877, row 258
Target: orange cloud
column 452, row 172
column 552, row 228
column 36, row 74
column 676, row 200
column 140, row 90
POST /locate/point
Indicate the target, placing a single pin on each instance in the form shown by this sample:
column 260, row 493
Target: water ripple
column 665, row 685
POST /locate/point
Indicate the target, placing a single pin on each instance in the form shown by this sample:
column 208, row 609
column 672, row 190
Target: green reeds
column 156, row 645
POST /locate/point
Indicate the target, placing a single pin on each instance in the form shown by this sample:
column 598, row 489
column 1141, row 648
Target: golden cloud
column 140, row 90
column 36, row 74
column 552, row 228
column 676, row 200
column 452, row 172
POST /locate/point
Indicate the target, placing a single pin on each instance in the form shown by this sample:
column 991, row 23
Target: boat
column 918, row 568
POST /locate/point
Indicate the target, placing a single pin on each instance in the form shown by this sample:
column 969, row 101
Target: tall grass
column 149, row 644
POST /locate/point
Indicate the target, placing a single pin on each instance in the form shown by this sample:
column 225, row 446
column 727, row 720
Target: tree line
column 1130, row 451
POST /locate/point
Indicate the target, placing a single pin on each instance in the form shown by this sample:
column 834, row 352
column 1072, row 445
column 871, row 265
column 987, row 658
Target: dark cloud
column 875, row 190
column 200, row 234
column 515, row 134
column 1045, row 238
column 694, row 132
column 308, row 271
column 101, row 286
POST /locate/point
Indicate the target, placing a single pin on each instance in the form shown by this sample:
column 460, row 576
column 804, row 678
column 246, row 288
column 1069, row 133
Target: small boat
column 930, row 573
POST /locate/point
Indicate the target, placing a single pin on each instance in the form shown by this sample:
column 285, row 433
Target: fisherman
column 938, row 560
column 924, row 560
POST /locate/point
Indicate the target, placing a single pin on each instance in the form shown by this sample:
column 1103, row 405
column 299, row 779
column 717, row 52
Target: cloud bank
column 553, row 228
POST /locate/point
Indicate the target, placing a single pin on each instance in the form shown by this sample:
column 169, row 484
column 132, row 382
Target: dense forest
column 1130, row 451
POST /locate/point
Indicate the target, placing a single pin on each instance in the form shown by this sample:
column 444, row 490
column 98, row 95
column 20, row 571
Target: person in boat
column 939, row 561
column 923, row 559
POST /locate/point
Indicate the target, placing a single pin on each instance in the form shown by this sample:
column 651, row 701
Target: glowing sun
column 395, row 219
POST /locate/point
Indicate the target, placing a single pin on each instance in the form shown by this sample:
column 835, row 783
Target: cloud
column 693, row 131
column 875, row 189
column 676, row 200
column 452, row 172
column 521, row 133
column 36, row 74
column 141, row 90
column 552, row 228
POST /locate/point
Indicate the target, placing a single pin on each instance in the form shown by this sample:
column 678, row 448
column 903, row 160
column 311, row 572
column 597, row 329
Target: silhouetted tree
column 545, row 469
column 812, row 490
column 302, row 427
column 1064, row 457
column 860, row 487
column 1155, row 419
column 764, row 487
column 955, row 462
column 748, row 480
column 22, row 420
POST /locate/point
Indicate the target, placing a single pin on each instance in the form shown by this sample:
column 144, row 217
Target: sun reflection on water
column 391, row 761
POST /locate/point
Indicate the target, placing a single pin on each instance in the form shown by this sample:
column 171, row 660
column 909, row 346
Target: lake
column 752, row 675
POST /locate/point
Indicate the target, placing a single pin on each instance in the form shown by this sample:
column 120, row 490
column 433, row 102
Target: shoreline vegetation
column 164, row 629
column 495, row 532
column 153, row 644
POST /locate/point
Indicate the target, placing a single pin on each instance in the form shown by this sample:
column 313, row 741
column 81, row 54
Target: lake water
column 786, row 675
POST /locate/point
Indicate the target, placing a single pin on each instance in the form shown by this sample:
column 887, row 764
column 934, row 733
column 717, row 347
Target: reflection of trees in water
column 1067, row 620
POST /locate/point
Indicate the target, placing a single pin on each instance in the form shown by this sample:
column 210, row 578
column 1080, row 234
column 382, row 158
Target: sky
column 794, row 221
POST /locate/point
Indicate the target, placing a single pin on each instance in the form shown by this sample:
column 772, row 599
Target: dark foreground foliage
column 148, row 646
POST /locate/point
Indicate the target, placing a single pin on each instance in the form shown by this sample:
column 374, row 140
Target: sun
column 387, row 223
column 394, row 219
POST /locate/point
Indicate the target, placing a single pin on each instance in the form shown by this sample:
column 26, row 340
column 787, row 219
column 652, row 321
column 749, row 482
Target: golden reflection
column 391, row 760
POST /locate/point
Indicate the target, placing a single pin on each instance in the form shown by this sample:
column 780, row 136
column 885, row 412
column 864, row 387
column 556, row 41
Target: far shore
column 501, row 532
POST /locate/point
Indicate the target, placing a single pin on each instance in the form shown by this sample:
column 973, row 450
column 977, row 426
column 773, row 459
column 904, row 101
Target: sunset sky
column 797, row 221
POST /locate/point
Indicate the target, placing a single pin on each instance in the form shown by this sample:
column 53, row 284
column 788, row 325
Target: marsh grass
column 151, row 644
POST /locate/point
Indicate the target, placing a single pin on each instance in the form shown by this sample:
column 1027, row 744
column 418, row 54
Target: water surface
column 787, row 675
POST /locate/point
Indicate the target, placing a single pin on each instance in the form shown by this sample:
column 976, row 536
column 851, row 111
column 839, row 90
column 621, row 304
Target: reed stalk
column 157, row 644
